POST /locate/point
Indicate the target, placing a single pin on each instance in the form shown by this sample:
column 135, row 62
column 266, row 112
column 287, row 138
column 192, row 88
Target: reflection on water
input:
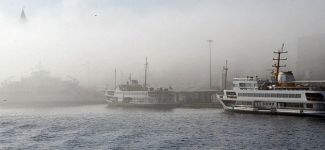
column 100, row 127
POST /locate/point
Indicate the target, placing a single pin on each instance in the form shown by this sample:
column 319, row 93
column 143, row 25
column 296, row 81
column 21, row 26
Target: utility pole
column 145, row 74
column 277, row 65
column 115, row 79
column 225, row 68
column 210, row 41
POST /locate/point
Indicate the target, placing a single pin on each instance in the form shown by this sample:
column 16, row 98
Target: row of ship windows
column 140, row 94
column 132, row 93
column 278, row 95
column 280, row 104
column 137, row 99
column 245, row 85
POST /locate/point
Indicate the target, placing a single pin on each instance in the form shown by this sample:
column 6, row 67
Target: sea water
column 101, row 127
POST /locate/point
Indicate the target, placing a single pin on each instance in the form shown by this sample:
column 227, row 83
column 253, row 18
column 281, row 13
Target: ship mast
column 277, row 65
column 145, row 74
column 225, row 68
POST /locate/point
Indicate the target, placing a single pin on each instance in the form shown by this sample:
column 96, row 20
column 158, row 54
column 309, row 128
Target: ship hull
column 287, row 112
column 144, row 105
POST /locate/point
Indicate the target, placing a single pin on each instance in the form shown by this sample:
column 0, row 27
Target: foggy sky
column 67, row 37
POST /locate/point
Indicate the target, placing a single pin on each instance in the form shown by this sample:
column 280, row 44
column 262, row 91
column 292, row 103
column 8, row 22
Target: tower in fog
column 23, row 18
column 310, row 61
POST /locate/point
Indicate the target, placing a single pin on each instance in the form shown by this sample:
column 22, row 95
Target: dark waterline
column 99, row 127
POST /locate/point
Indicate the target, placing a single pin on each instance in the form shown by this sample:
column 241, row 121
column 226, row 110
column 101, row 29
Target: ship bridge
column 249, row 83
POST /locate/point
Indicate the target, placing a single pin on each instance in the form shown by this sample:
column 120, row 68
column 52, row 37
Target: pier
column 197, row 98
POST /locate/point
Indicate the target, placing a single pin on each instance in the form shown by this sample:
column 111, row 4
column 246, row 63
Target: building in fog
column 310, row 61
column 23, row 17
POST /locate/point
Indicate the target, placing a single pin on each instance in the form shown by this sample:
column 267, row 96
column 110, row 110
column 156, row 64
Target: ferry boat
column 279, row 95
column 43, row 89
column 133, row 94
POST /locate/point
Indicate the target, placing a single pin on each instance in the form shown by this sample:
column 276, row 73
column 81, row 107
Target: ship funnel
column 285, row 78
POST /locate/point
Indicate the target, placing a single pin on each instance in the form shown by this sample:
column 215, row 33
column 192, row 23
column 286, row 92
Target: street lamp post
column 210, row 41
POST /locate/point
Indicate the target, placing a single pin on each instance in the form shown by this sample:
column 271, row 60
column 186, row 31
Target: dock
column 197, row 99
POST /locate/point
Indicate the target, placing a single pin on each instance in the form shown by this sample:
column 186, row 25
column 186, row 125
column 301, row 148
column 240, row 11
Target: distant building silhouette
column 310, row 61
column 23, row 18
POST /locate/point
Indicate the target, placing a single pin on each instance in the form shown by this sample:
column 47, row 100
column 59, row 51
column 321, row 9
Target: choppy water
column 98, row 127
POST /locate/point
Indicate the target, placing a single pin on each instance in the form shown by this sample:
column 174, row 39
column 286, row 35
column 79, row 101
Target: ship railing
column 244, row 79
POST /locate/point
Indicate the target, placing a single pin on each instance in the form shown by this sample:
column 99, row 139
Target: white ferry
column 136, row 95
column 280, row 95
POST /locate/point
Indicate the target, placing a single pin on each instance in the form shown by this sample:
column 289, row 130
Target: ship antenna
column 145, row 74
column 225, row 68
column 277, row 65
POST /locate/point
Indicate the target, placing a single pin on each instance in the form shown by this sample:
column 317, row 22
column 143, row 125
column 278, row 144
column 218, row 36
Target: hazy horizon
column 67, row 37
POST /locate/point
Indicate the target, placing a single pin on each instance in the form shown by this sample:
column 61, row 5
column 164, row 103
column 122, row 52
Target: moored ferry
column 133, row 94
column 279, row 95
